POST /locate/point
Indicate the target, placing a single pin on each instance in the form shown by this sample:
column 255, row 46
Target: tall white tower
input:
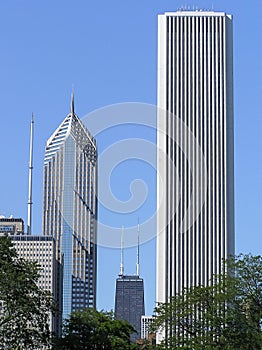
column 195, row 149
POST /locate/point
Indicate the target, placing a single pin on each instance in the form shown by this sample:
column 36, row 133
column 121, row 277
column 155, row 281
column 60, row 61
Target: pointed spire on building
column 137, row 252
column 121, row 272
column 30, row 178
column 72, row 107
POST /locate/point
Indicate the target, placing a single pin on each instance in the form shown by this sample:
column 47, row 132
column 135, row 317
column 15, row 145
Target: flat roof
column 11, row 220
column 37, row 238
column 196, row 13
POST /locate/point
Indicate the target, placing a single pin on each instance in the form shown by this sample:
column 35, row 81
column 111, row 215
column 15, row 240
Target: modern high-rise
column 195, row 140
column 129, row 301
column 129, row 297
column 70, row 209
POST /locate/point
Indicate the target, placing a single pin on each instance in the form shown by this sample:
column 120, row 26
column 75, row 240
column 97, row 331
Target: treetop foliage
column 224, row 315
column 91, row 329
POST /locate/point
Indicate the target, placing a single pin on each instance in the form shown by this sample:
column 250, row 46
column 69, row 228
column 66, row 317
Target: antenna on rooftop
column 137, row 252
column 72, row 105
column 121, row 272
column 30, row 178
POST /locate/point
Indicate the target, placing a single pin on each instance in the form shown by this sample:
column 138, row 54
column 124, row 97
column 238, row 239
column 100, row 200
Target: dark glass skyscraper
column 129, row 301
column 70, row 209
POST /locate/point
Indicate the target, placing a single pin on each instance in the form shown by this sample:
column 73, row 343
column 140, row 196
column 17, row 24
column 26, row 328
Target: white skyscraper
column 195, row 149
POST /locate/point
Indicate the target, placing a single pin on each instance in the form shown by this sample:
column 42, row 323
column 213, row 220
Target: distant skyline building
column 11, row 226
column 129, row 296
column 129, row 301
column 70, row 209
column 195, row 218
column 146, row 322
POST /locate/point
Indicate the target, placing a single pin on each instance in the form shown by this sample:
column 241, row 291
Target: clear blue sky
column 108, row 50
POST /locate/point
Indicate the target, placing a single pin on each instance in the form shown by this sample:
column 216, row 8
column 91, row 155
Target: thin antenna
column 30, row 178
column 137, row 252
column 72, row 106
column 121, row 273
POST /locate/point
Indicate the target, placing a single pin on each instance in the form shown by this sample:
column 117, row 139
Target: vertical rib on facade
column 195, row 100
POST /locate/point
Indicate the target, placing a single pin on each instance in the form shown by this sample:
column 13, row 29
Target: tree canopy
column 25, row 308
column 224, row 315
column 91, row 329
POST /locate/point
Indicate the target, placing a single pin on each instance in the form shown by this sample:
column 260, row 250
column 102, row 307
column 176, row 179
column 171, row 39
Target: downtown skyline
column 41, row 84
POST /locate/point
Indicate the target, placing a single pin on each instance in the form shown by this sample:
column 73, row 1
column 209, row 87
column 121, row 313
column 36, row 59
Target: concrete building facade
column 41, row 249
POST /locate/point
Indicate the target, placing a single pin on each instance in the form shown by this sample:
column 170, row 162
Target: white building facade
column 195, row 140
column 146, row 322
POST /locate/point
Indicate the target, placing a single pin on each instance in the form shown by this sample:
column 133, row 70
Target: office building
column 129, row 301
column 146, row 322
column 195, row 140
column 70, row 209
column 11, row 226
column 41, row 249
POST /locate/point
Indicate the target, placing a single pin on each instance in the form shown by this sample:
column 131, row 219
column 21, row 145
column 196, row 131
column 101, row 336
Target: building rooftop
column 195, row 13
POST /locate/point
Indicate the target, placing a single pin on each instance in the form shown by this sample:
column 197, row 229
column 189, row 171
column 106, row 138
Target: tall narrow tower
column 70, row 209
column 195, row 149
column 30, row 179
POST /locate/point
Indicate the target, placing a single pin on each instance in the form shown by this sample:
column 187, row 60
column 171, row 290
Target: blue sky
column 108, row 51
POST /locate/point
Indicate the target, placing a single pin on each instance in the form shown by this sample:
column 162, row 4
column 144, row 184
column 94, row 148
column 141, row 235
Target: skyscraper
column 195, row 149
column 129, row 301
column 129, row 297
column 70, row 209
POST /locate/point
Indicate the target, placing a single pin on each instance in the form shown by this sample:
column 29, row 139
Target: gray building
column 11, row 226
column 70, row 209
column 195, row 140
column 41, row 249
column 129, row 301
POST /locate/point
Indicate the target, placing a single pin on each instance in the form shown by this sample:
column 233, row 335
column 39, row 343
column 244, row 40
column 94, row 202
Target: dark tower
column 129, row 297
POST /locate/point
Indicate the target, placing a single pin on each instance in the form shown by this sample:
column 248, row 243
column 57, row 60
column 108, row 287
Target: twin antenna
column 121, row 272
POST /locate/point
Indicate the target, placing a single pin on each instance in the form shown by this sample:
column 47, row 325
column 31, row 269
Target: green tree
column 25, row 308
column 91, row 329
column 224, row 315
